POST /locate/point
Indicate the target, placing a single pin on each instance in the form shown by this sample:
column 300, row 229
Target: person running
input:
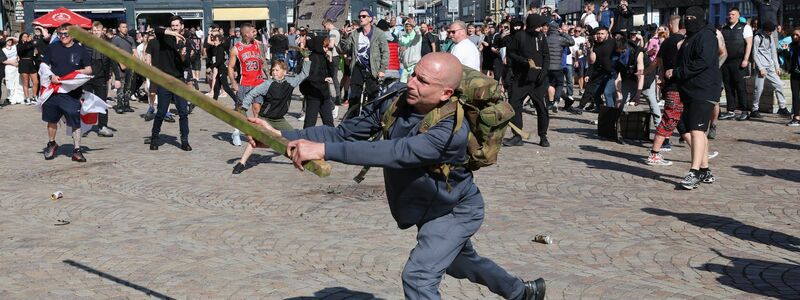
column 699, row 81
column 63, row 58
column 270, row 100
column 248, row 54
column 447, row 211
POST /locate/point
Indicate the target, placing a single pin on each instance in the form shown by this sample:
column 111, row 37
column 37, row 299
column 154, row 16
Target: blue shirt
column 607, row 15
column 64, row 60
column 415, row 196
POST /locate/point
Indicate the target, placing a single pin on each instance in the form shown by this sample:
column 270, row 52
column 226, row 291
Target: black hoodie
column 529, row 44
column 319, row 68
column 696, row 70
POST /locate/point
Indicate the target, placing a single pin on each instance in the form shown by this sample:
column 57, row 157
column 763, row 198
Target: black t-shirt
column 167, row 56
column 668, row 53
column 603, row 53
column 279, row 44
column 428, row 40
column 64, row 60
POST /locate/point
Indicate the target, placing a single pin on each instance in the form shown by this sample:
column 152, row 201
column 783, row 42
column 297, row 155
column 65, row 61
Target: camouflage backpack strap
column 390, row 115
column 451, row 108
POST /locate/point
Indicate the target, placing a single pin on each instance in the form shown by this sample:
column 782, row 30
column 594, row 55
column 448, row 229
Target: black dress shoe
column 238, row 168
column 185, row 146
column 544, row 142
column 534, row 290
column 78, row 156
column 514, row 141
column 153, row 143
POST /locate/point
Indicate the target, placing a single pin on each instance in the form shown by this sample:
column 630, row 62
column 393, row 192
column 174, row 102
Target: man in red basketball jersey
column 248, row 54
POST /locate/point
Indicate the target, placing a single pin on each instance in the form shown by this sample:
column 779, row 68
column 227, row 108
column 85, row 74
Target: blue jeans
column 610, row 91
column 569, row 80
column 164, row 99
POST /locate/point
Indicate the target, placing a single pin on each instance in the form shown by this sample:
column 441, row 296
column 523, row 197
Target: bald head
column 445, row 66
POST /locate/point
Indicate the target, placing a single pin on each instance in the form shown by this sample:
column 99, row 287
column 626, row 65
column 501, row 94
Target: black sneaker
column 755, row 114
column 793, row 123
column 149, row 116
column 514, row 141
column 185, row 146
column 744, row 116
column 78, row 156
column 727, row 116
column 238, row 168
column 574, row 111
column 784, row 112
column 712, row 132
column 707, row 177
column 554, row 108
column 691, row 181
column 534, row 290
column 50, row 150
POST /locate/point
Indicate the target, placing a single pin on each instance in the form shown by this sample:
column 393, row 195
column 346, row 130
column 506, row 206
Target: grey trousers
column 775, row 81
column 443, row 245
column 628, row 90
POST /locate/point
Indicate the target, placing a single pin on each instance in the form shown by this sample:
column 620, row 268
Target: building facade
column 197, row 13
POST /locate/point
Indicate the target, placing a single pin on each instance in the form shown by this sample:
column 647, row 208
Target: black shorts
column 555, row 78
column 697, row 115
column 195, row 65
column 27, row 66
column 59, row 105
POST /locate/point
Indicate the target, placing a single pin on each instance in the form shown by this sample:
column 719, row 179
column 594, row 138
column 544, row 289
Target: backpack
column 477, row 101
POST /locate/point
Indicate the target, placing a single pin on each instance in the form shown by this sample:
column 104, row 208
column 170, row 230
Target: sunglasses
column 454, row 31
column 61, row 34
column 363, row 16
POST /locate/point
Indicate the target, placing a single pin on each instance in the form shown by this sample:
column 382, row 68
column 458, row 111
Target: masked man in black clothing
column 528, row 58
column 599, row 73
column 170, row 57
column 98, row 85
column 699, row 82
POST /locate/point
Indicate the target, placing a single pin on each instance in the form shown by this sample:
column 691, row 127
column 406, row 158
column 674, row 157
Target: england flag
column 91, row 105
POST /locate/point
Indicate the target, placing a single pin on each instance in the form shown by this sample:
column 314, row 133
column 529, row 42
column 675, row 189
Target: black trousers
column 334, row 65
column 99, row 89
column 318, row 102
column 593, row 90
column 361, row 81
column 795, row 84
column 537, row 93
column 733, row 81
column 222, row 82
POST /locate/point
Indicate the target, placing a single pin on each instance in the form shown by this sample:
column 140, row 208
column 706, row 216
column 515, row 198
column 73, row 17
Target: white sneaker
column 713, row 154
column 236, row 139
column 302, row 117
column 655, row 159
column 335, row 111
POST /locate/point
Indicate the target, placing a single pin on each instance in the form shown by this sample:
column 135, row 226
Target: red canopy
column 60, row 16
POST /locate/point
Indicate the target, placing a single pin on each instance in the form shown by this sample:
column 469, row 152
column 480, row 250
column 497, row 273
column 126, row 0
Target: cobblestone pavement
column 175, row 224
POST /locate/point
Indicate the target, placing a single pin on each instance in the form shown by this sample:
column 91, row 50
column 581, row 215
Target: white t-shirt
column 468, row 54
column 579, row 41
column 589, row 19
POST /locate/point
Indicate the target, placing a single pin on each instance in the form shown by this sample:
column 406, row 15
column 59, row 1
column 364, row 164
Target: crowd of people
column 595, row 64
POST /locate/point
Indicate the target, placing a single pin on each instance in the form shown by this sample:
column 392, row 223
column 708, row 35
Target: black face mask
column 693, row 26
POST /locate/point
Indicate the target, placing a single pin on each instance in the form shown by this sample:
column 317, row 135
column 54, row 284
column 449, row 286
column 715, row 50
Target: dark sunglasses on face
column 363, row 16
column 63, row 34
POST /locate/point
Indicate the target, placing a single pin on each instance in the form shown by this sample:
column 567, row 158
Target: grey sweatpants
column 775, row 81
